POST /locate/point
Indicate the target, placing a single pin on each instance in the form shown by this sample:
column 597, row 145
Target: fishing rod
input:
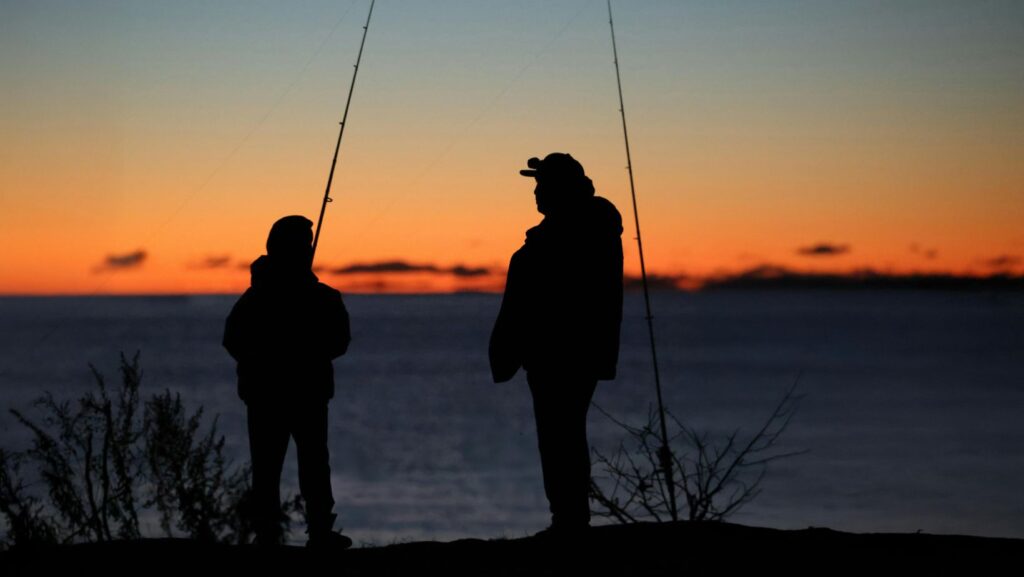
column 664, row 452
column 341, row 131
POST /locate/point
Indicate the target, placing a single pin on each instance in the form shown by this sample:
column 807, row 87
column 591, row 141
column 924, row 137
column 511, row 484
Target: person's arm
column 611, row 310
column 237, row 329
column 340, row 335
column 505, row 348
column 327, row 332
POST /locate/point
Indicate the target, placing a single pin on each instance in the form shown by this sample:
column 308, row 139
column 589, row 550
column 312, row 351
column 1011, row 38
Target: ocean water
column 912, row 415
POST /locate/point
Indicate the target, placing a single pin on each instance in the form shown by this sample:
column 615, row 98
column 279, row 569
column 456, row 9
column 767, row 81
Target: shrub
column 101, row 460
column 711, row 478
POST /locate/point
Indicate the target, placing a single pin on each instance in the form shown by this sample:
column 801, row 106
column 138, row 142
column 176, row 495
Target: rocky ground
column 642, row 549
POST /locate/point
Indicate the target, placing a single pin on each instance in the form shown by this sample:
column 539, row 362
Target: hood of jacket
column 597, row 217
column 267, row 272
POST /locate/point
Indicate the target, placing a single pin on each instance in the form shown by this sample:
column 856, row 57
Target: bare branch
column 716, row 477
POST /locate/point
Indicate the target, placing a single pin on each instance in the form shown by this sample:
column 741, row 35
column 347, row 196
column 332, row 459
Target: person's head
column 291, row 240
column 561, row 182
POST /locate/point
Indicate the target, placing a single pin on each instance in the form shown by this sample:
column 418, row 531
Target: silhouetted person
column 284, row 331
column 560, row 320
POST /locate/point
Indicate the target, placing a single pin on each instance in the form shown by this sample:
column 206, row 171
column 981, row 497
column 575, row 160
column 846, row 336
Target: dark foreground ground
column 645, row 549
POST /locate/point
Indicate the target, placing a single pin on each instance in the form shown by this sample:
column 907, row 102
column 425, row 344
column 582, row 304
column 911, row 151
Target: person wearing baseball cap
column 559, row 320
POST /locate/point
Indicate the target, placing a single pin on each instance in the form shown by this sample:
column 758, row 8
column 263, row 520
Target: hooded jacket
column 562, row 308
column 284, row 331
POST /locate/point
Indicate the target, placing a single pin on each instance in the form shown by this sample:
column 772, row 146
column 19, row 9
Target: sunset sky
column 147, row 147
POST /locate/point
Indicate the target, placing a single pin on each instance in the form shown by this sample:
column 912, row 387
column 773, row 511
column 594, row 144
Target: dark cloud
column 1003, row 261
column 403, row 267
column 465, row 271
column 122, row 261
column 823, row 249
column 655, row 282
column 376, row 286
column 928, row 253
column 218, row 261
column 768, row 276
column 761, row 272
column 390, row 266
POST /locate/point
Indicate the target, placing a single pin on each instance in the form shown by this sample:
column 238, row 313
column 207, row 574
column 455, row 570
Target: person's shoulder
column 244, row 302
column 326, row 292
column 537, row 230
column 538, row 239
column 600, row 204
column 605, row 214
column 260, row 271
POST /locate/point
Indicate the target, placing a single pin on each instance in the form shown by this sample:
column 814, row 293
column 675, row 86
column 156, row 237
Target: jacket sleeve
column 237, row 329
column 611, row 305
column 506, row 346
column 339, row 333
column 327, row 332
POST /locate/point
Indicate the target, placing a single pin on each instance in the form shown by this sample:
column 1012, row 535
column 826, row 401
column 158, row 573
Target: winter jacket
column 283, row 332
column 562, row 308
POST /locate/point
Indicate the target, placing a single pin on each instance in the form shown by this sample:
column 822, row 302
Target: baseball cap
column 556, row 166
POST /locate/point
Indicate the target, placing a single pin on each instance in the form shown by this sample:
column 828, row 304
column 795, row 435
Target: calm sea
column 912, row 416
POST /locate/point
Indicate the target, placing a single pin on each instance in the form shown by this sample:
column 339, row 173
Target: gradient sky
column 170, row 135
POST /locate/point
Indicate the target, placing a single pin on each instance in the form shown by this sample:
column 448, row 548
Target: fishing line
column 371, row 221
column 259, row 124
column 341, row 131
column 664, row 452
column 158, row 230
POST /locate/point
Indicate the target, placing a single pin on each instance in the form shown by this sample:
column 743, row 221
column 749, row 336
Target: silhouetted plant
column 191, row 486
column 100, row 460
column 87, row 457
column 24, row 512
column 713, row 478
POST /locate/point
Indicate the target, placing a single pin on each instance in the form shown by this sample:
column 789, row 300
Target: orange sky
column 185, row 131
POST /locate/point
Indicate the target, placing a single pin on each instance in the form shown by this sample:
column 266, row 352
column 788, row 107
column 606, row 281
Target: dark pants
column 560, row 405
column 270, row 427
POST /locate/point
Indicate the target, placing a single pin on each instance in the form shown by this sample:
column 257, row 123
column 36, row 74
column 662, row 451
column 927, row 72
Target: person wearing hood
column 559, row 320
column 284, row 332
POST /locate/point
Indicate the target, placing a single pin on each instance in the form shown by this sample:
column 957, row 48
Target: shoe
column 328, row 540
